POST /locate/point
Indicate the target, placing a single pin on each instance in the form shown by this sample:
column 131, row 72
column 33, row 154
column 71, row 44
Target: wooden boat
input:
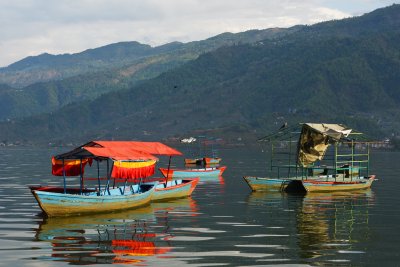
column 323, row 185
column 324, row 160
column 199, row 172
column 193, row 161
column 163, row 190
column 131, row 161
column 205, row 154
column 210, row 161
column 54, row 202
column 172, row 189
column 269, row 184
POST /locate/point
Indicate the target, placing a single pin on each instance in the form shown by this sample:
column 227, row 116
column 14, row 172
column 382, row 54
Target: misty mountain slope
column 338, row 78
column 253, row 85
column 58, row 80
column 47, row 67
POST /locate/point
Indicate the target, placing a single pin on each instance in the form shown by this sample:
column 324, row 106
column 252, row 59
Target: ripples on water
column 222, row 224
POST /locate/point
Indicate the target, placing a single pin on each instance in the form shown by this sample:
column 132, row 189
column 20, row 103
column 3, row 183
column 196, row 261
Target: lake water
column 222, row 224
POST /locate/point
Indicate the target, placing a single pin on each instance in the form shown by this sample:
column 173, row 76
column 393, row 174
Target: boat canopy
column 120, row 150
column 133, row 169
column 69, row 167
column 315, row 138
column 131, row 159
column 154, row 148
column 122, row 153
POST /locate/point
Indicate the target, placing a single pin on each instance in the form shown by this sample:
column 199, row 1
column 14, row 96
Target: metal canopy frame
column 348, row 156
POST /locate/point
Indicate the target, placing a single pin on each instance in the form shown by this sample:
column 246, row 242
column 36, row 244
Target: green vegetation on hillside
column 248, row 89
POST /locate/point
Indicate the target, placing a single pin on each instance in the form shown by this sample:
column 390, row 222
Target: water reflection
column 333, row 222
column 330, row 227
column 123, row 237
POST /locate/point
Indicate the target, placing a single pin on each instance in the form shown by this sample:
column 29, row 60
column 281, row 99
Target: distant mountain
column 47, row 67
column 53, row 81
column 350, row 77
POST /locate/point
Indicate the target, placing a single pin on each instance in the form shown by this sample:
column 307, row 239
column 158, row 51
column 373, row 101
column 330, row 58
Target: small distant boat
column 211, row 161
column 203, row 161
column 198, row 172
column 131, row 162
column 206, row 153
column 193, row 161
column 310, row 166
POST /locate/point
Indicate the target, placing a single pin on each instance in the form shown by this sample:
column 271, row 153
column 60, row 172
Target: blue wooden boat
column 128, row 161
column 54, row 202
column 268, row 184
column 198, row 172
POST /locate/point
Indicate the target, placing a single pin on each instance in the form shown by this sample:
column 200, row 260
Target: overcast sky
column 32, row 27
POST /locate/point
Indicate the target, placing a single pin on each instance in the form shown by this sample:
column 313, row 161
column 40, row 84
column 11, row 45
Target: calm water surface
column 222, row 224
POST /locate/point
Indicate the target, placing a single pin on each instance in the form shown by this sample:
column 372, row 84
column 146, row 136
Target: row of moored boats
column 310, row 158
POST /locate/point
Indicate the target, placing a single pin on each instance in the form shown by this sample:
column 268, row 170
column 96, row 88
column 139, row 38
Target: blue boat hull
column 60, row 204
column 190, row 173
column 174, row 189
column 268, row 184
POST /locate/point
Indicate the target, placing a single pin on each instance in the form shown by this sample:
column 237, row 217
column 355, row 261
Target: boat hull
column 190, row 173
column 174, row 189
column 268, row 184
column 335, row 186
column 60, row 204
column 311, row 184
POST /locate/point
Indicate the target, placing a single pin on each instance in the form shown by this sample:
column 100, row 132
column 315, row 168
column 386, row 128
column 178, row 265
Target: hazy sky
column 32, row 27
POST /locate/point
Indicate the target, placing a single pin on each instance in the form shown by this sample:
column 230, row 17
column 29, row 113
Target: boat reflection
column 124, row 237
column 327, row 224
column 329, row 221
column 215, row 180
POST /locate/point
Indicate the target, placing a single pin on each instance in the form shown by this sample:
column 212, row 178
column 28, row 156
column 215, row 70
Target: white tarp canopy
column 315, row 139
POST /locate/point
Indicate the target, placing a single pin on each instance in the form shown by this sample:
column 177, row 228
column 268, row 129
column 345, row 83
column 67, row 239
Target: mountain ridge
column 245, row 89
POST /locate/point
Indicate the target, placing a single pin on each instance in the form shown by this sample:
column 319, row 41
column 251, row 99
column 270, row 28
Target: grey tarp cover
column 315, row 139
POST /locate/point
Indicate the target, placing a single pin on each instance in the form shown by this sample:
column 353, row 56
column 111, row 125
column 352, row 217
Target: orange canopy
column 154, row 148
column 121, row 153
column 120, row 150
column 132, row 159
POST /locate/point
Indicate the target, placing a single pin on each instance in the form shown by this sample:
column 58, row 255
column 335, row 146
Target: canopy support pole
column 98, row 176
column 65, row 183
column 123, row 191
column 169, row 167
column 108, row 177
column 81, row 182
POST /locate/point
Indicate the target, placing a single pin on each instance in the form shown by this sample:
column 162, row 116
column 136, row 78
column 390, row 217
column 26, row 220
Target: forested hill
column 48, row 82
column 47, row 67
column 246, row 90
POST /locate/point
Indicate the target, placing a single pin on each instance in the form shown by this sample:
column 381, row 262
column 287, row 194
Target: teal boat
column 315, row 157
